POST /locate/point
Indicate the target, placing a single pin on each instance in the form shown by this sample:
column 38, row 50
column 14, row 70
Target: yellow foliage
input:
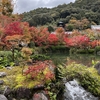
column 26, row 51
column 6, row 7
column 9, row 80
column 94, row 72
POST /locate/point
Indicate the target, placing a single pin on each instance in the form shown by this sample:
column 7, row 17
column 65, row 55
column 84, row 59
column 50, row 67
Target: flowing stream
column 73, row 91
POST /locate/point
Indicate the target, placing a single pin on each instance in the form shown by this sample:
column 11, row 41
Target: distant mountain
column 89, row 9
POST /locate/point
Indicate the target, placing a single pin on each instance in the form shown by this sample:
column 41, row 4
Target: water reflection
column 85, row 59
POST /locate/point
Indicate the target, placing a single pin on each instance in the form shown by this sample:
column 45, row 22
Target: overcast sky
column 27, row 5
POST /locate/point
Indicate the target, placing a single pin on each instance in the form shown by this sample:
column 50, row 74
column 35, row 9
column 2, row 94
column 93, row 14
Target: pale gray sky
column 27, row 5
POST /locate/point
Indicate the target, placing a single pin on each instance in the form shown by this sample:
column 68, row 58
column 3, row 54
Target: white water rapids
column 73, row 91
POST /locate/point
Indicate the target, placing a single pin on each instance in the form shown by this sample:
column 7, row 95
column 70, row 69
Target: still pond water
column 85, row 59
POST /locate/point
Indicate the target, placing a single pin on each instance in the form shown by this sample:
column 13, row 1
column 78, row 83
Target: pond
column 66, row 58
column 85, row 59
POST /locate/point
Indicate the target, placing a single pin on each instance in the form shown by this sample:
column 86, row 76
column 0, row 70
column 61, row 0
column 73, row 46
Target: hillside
column 89, row 9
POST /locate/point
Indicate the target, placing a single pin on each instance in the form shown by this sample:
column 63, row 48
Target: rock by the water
column 2, row 97
column 97, row 66
column 3, row 74
column 1, row 82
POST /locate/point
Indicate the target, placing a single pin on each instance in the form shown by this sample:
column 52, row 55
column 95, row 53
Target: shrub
column 6, row 59
column 39, row 57
column 87, row 77
column 38, row 74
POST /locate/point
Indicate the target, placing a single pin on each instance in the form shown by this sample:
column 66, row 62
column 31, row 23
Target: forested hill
column 89, row 9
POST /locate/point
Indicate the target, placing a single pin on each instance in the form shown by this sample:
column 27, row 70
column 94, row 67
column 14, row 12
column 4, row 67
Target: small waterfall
column 73, row 91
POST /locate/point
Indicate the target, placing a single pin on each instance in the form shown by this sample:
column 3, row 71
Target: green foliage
column 80, row 9
column 39, row 57
column 54, row 89
column 52, row 94
column 17, row 57
column 73, row 50
column 50, row 28
column 6, row 59
column 70, row 27
column 81, row 51
column 87, row 77
column 91, row 50
column 97, row 48
column 5, row 53
column 84, row 51
column 4, row 62
column 94, row 62
column 59, row 49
